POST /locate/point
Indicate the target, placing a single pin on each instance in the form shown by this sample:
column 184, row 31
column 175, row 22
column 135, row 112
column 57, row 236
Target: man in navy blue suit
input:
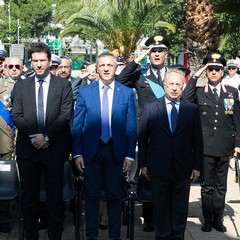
column 170, row 155
column 104, row 139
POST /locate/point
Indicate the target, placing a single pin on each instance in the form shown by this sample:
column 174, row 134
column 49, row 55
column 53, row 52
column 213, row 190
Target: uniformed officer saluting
column 220, row 116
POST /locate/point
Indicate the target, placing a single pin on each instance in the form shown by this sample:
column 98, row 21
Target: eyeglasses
column 11, row 66
column 66, row 67
column 231, row 68
column 214, row 69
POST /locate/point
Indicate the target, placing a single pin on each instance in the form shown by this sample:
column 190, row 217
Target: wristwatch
column 46, row 138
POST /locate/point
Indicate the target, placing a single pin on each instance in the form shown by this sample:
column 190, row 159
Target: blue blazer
column 86, row 129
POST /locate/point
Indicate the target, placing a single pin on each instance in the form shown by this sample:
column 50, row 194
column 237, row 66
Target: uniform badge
column 204, row 113
column 228, row 105
column 158, row 39
column 215, row 57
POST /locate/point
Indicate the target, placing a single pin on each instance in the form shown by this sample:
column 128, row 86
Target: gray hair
column 107, row 54
column 174, row 70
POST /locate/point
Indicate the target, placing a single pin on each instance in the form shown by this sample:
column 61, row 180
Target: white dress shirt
column 218, row 87
column 110, row 99
column 169, row 109
column 45, row 85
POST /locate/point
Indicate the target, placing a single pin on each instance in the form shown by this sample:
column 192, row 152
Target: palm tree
column 201, row 30
column 229, row 29
column 119, row 24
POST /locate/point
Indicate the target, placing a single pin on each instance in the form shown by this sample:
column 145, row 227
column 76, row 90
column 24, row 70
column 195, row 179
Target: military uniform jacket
column 134, row 78
column 6, row 135
column 220, row 119
column 6, row 87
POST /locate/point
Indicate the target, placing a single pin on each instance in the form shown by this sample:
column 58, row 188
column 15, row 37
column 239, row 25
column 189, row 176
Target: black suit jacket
column 159, row 149
column 221, row 130
column 58, row 115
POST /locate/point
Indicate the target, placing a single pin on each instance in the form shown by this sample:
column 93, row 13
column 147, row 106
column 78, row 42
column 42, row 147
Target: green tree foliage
column 227, row 12
column 119, row 24
column 34, row 16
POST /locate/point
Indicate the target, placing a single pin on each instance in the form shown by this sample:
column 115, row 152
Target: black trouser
column 170, row 206
column 214, row 187
column 31, row 171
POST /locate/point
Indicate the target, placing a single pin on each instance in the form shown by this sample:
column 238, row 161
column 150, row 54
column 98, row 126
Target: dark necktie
column 40, row 113
column 105, row 136
column 159, row 77
column 174, row 116
column 215, row 94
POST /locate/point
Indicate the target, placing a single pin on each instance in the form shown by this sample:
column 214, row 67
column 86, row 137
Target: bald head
column 14, row 67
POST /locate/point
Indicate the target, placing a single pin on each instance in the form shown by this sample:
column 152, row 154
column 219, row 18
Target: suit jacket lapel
column 181, row 113
column 96, row 97
column 151, row 76
column 51, row 93
column 223, row 94
column 32, row 95
column 163, row 112
column 116, row 94
column 209, row 94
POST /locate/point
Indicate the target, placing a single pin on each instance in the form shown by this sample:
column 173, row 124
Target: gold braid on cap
column 158, row 39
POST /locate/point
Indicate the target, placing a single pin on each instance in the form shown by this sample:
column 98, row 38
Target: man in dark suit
column 149, row 86
column 170, row 155
column 42, row 109
column 65, row 71
column 104, row 140
column 220, row 115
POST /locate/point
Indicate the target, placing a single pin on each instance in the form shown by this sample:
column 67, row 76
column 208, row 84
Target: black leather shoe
column 148, row 226
column 206, row 227
column 103, row 227
column 219, row 226
column 4, row 228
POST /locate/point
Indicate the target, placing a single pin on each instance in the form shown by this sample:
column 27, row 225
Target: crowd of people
column 184, row 132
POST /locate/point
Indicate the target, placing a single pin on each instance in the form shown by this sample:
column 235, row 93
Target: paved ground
column 193, row 231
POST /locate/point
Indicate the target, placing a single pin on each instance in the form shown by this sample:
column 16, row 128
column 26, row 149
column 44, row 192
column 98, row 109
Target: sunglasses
column 11, row 66
column 53, row 67
column 211, row 69
column 231, row 68
column 158, row 50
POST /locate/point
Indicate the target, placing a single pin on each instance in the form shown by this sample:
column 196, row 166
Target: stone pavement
column 193, row 230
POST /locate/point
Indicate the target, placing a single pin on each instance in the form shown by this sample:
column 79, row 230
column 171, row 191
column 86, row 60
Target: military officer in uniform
column 6, row 128
column 149, row 84
column 220, row 116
